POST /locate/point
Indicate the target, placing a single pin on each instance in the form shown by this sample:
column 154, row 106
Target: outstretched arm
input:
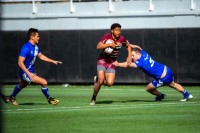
column 129, row 58
column 44, row 58
column 124, row 64
column 120, row 64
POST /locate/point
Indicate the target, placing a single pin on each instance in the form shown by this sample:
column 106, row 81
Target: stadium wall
column 177, row 48
column 169, row 32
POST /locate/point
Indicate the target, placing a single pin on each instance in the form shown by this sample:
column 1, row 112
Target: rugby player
column 161, row 73
column 29, row 52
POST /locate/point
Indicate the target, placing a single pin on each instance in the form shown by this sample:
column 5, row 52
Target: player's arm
column 23, row 67
column 129, row 58
column 44, row 58
column 120, row 64
column 101, row 45
column 133, row 65
column 124, row 64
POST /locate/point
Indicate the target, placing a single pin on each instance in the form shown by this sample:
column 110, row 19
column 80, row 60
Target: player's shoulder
column 108, row 35
column 122, row 38
column 25, row 45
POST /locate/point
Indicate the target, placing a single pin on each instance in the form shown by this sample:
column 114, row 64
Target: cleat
column 93, row 102
column 53, row 101
column 95, row 79
column 11, row 99
column 6, row 99
column 161, row 97
column 186, row 98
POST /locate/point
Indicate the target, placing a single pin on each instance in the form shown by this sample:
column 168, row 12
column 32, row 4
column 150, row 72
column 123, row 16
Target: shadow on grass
column 104, row 102
column 124, row 101
column 32, row 103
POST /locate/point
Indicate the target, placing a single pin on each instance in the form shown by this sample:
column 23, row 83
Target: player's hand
column 113, row 45
column 57, row 62
column 115, row 63
column 32, row 76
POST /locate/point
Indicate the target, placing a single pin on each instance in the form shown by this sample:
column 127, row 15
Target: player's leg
column 19, row 87
column 97, row 85
column 41, row 81
column 179, row 88
column 12, row 98
column 169, row 79
column 152, row 89
column 110, row 76
column 109, row 79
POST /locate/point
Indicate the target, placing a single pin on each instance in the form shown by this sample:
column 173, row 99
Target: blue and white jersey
column 29, row 52
column 149, row 66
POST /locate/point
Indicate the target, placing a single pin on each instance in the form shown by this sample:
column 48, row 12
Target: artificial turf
column 120, row 108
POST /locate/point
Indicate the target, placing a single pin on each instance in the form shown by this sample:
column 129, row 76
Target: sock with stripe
column 45, row 91
column 16, row 90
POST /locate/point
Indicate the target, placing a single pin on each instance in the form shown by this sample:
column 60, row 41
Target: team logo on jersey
column 118, row 45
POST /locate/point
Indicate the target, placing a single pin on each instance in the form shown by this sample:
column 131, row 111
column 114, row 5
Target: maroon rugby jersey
column 119, row 42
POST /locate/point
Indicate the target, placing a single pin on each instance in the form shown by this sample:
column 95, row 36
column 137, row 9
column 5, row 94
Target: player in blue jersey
column 161, row 73
column 26, row 61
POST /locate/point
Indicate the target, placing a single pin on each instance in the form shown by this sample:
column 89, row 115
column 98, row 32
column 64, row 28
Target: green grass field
column 119, row 109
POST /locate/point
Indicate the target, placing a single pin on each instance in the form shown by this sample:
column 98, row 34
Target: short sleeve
column 24, row 51
column 138, row 63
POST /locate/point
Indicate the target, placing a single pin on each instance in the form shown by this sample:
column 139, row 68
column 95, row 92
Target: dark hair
column 137, row 50
column 115, row 25
column 32, row 32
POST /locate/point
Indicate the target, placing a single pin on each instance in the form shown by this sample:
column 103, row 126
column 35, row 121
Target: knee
column 100, row 81
column 146, row 89
column 150, row 87
column 44, row 83
column 22, row 85
column 109, row 83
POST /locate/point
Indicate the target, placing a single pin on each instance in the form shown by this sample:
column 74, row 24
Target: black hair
column 115, row 25
column 31, row 32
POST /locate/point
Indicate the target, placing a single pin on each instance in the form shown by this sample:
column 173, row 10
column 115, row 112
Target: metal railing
column 72, row 7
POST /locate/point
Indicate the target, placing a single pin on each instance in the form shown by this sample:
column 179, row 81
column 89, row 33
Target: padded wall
column 177, row 48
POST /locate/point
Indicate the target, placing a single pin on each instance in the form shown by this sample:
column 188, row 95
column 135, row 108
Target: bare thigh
column 39, row 80
column 110, row 78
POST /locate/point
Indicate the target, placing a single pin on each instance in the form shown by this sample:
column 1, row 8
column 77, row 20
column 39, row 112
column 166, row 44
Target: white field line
column 97, row 107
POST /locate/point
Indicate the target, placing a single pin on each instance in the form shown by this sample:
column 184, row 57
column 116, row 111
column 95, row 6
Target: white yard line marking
column 97, row 107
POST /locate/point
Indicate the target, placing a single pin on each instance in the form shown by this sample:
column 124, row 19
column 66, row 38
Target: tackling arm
column 124, row 64
column 129, row 59
column 120, row 64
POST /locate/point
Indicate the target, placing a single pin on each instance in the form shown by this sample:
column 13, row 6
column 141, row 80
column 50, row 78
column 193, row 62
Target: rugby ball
column 108, row 50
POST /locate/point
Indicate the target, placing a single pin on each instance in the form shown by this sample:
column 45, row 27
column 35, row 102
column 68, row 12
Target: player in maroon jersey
column 105, row 68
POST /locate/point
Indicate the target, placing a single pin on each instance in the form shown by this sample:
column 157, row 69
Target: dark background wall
column 177, row 48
